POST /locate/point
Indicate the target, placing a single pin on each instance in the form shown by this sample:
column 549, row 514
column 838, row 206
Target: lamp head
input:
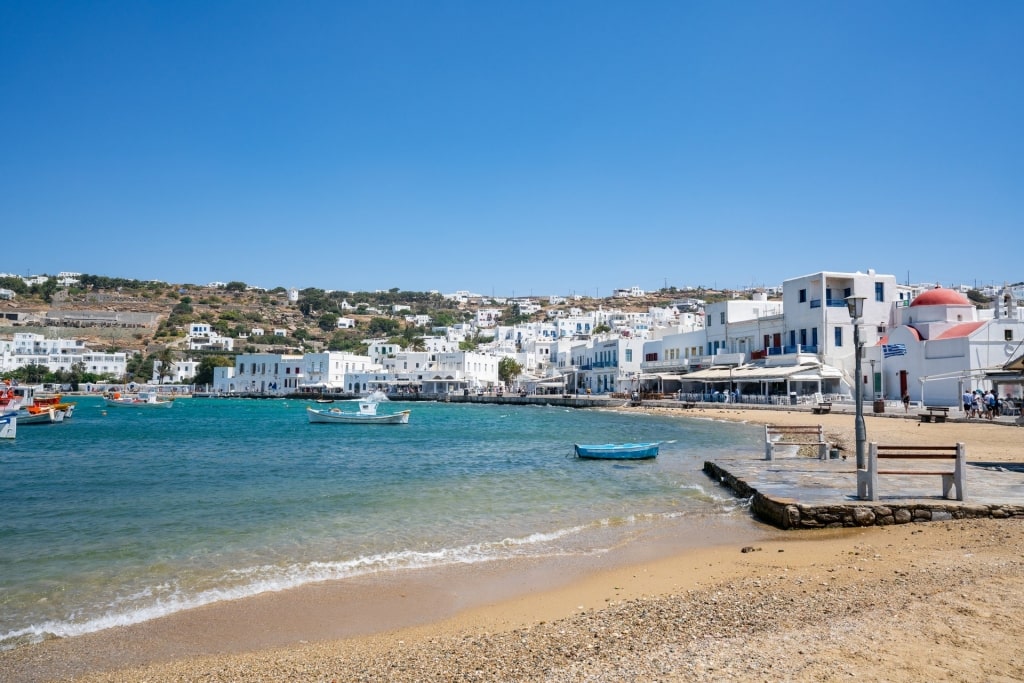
column 855, row 304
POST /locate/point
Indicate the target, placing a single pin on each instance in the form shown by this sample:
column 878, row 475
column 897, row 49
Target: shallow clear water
column 120, row 515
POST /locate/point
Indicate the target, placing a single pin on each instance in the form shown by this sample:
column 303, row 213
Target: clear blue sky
column 512, row 147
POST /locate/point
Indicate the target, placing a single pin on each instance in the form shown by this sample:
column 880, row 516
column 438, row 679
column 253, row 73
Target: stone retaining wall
column 786, row 513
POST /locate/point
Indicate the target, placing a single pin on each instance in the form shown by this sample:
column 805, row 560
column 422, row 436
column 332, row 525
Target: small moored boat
column 617, row 451
column 367, row 414
column 143, row 399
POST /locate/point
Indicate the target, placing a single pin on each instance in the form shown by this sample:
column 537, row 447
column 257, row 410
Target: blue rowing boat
column 617, row 451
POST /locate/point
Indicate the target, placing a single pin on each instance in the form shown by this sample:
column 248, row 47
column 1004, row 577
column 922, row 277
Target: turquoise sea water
column 118, row 516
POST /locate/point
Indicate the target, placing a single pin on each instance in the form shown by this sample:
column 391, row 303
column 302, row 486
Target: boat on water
column 56, row 403
column 9, row 401
column 367, row 414
column 617, row 451
column 39, row 416
column 21, row 400
column 143, row 399
column 8, row 425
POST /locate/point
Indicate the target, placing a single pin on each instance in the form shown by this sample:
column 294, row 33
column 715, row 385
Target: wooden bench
column 689, row 404
column 794, row 435
column 867, row 479
column 936, row 413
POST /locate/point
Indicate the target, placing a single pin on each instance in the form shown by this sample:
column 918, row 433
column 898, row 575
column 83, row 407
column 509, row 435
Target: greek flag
column 890, row 350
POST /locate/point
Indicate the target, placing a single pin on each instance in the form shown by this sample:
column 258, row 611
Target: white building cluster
column 27, row 348
column 925, row 342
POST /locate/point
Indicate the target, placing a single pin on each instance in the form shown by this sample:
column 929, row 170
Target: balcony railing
column 798, row 348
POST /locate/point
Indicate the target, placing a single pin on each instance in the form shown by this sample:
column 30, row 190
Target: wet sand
column 936, row 601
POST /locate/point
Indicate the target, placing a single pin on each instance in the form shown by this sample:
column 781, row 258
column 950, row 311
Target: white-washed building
column 201, row 336
column 182, row 372
column 329, row 370
column 28, row 348
column 801, row 345
column 260, row 373
column 607, row 364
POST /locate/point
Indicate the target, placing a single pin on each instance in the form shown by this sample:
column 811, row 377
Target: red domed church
column 942, row 344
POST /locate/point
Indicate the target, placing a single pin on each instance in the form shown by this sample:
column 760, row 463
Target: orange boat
column 42, row 403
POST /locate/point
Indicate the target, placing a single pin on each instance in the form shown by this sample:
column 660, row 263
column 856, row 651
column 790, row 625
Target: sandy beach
column 914, row 602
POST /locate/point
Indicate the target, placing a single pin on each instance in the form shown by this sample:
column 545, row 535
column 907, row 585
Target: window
column 879, row 291
column 814, row 336
column 1008, row 335
column 721, row 317
column 803, row 295
column 629, row 355
column 839, row 337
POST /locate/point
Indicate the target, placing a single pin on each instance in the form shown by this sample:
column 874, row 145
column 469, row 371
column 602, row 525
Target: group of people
column 984, row 404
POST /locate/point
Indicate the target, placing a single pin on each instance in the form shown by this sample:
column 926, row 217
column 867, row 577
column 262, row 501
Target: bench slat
column 884, row 449
column 917, row 456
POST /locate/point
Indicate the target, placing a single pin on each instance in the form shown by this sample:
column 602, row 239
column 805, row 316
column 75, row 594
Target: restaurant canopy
column 808, row 372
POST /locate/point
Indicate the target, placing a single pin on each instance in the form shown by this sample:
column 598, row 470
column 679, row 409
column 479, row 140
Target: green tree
column 45, row 290
column 236, row 286
column 444, row 319
column 77, row 374
column 15, row 284
column 515, row 316
column 509, row 369
column 166, row 358
column 328, row 322
column 383, row 327
column 344, row 340
column 204, row 373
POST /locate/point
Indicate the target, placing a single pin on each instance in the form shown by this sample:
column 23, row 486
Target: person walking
column 906, row 401
column 990, row 404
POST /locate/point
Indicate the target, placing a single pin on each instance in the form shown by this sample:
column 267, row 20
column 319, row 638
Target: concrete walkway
column 793, row 491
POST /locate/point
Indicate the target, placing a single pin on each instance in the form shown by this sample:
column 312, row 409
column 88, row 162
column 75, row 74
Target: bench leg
column 863, row 485
column 947, row 485
column 822, row 451
column 960, row 472
column 769, row 451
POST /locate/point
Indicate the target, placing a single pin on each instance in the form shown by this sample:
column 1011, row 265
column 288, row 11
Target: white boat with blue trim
column 367, row 414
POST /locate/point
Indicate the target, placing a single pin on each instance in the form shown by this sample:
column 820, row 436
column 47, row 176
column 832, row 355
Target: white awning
column 760, row 373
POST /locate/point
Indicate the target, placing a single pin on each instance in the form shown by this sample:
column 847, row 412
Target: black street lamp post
column 855, row 304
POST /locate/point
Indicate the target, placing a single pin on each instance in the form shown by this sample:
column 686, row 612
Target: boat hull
column 8, row 425
column 42, row 417
column 338, row 417
column 132, row 403
column 616, row 451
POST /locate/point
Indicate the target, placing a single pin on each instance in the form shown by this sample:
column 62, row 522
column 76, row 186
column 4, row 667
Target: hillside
column 235, row 310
